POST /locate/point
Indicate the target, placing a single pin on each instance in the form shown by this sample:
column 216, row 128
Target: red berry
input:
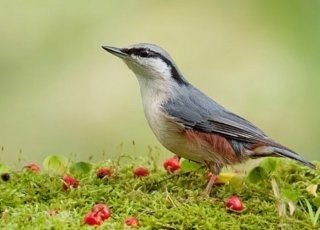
column 102, row 172
column 132, row 221
column 33, row 167
column 69, row 181
column 172, row 164
column 102, row 210
column 234, row 203
column 92, row 219
column 141, row 171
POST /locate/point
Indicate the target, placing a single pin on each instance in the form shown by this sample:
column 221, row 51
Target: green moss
column 157, row 201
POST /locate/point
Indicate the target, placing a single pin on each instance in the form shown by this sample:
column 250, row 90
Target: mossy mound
column 160, row 201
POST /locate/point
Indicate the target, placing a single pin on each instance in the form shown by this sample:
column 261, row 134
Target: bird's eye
column 144, row 53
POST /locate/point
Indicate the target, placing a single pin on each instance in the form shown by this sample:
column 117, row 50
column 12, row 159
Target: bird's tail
column 277, row 150
column 292, row 155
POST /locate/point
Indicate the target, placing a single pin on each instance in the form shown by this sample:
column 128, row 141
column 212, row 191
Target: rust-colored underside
column 218, row 144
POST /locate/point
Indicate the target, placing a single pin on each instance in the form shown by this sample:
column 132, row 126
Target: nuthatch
column 189, row 123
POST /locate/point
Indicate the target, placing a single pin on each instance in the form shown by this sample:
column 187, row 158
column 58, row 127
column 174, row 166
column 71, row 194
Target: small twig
column 216, row 199
column 292, row 208
column 281, row 207
column 168, row 197
column 146, row 212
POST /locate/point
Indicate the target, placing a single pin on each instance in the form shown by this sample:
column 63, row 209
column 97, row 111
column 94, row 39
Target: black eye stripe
column 147, row 53
column 141, row 52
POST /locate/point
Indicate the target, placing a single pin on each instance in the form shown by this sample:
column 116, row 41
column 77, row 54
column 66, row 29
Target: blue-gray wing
column 195, row 110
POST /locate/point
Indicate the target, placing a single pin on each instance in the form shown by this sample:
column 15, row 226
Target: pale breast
column 170, row 133
column 175, row 138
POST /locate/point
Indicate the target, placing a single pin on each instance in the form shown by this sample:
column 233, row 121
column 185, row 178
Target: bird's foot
column 210, row 184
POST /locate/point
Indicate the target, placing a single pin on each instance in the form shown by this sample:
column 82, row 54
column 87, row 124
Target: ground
column 161, row 200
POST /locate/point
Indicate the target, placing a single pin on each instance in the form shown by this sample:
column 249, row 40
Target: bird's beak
column 116, row 51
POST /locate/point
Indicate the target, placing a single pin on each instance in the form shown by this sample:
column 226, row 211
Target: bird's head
column 149, row 62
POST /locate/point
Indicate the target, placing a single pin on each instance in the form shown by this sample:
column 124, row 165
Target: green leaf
column 290, row 195
column 187, row 165
column 55, row 165
column 316, row 217
column 80, row 168
column 310, row 211
column 269, row 165
column 257, row 174
column 236, row 183
column 316, row 201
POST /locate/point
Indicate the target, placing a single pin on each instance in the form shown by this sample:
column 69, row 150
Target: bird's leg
column 215, row 169
column 210, row 184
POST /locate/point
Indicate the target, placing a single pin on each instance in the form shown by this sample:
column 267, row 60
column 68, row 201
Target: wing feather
column 196, row 111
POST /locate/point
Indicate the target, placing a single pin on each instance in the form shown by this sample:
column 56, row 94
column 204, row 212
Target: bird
column 189, row 123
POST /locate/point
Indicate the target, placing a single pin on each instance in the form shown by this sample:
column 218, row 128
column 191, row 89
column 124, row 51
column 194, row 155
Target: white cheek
column 158, row 67
column 152, row 68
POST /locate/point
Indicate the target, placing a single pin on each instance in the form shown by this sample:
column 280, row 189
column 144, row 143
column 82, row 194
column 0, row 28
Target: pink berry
column 102, row 172
column 69, row 181
column 102, row 210
column 92, row 219
column 33, row 167
column 234, row 203
column 141, row 171
column 172, row 164
column 132, row 221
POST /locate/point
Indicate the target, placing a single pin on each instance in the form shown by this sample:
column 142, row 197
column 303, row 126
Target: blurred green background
column 60, row 93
